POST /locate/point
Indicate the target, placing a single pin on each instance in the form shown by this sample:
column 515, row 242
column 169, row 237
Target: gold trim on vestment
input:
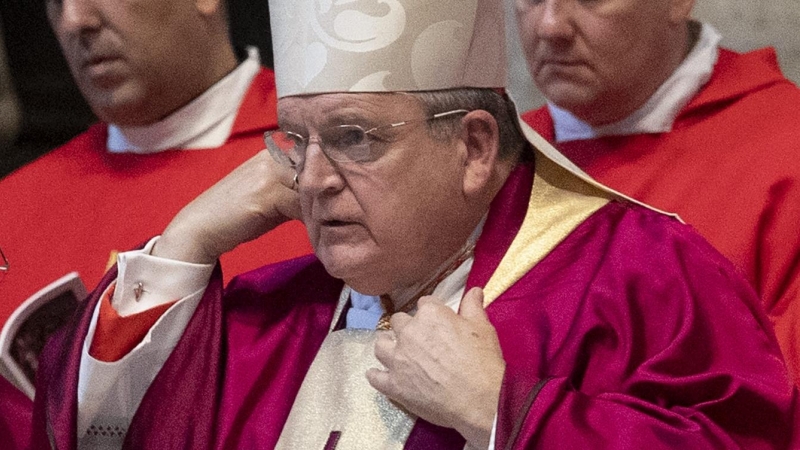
column 559, row 202
column 562, row 197
column 546, row 148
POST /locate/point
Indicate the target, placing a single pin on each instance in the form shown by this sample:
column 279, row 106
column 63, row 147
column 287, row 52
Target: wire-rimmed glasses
column 340, row 143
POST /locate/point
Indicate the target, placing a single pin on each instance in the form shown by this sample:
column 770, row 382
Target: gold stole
column 337, row 408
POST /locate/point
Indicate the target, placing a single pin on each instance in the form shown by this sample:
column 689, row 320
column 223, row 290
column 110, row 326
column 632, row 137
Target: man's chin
column 359, row 275
column 567, row 95
column 121, row 105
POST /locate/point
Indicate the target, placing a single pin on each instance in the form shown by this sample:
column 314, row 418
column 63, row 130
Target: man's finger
column 381, row 380
column 289, row 204
column 398, row 321
column 384, row 348
column 428, row 299
column 472, row 305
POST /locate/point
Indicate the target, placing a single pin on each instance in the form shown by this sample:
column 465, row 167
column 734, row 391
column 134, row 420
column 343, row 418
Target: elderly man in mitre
column 467, row 288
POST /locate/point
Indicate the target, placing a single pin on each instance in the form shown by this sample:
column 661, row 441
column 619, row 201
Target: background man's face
column 587, row 55
column 129, row 57
column 389, row 222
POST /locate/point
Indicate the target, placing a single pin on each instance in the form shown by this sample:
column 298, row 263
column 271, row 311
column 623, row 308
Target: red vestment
column 15, row 417
column 70, row 209
column 729, row 168
column 631, row 333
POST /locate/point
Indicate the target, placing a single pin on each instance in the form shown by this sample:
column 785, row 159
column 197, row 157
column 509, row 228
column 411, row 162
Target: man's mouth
column 336, row 223
column 96, row 60
column 562, row 62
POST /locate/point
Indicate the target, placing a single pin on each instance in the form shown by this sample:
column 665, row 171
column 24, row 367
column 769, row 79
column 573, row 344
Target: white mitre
column 386, row 45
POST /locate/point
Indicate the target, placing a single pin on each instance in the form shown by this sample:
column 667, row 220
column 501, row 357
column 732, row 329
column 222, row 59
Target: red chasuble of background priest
column 595, row 322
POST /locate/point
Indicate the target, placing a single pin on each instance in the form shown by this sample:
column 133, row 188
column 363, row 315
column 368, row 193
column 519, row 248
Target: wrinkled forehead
column 301, row 112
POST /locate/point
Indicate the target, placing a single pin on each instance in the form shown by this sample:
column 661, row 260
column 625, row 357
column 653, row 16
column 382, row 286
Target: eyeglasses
column 341, row 143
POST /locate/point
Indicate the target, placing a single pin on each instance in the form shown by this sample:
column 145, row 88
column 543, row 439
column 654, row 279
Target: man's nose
column 553, row 19
column 319, row 173
column 76, row 16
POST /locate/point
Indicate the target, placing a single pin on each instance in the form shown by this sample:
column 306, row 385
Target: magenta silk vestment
column 632, row 333
column 15, row 416
column 730, row 168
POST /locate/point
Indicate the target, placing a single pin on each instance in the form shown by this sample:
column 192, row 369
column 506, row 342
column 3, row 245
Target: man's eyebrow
column 286, row 124
column 346, row 116
column 333, row 119
column 347, row 112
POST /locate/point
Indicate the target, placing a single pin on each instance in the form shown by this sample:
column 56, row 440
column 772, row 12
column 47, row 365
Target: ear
column 680, row 11
column 481, row 137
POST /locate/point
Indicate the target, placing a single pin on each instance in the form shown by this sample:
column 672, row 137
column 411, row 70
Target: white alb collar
column 205, row 122
column 658, row 114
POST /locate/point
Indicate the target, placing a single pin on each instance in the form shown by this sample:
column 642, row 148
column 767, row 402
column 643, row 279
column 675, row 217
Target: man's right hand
column 250, row 201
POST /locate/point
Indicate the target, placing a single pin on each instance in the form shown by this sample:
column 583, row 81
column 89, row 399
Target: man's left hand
column 444, row 367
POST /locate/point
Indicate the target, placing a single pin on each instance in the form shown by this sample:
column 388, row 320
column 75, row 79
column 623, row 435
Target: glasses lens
column 284, row 147
column 285, row 142
column 346, row 143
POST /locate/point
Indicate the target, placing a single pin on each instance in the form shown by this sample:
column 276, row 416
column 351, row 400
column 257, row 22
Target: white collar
column 205, row 122
column 659, row 112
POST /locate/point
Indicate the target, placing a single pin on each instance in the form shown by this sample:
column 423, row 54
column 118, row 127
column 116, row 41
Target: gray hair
column 512, row 142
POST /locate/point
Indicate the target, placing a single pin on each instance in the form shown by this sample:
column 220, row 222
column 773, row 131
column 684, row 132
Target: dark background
column 53, row 110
